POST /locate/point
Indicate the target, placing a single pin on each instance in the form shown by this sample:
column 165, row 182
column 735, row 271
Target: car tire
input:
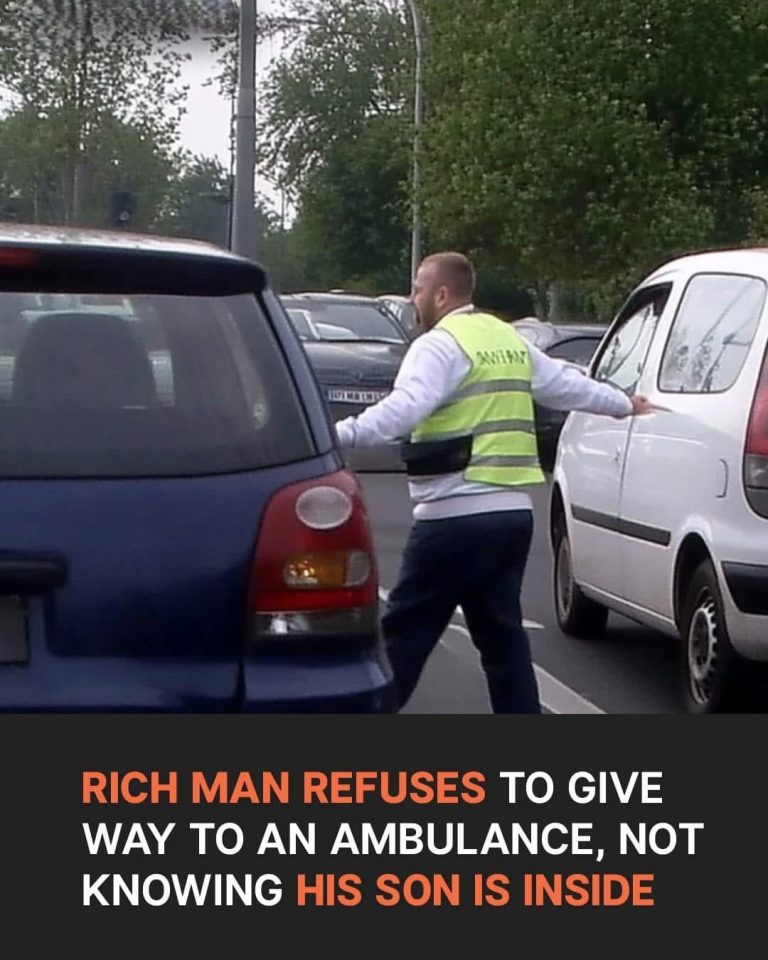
column 714, row 676
column 577, row 614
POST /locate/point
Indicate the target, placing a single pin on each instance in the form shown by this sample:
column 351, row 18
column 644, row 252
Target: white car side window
column 622, row 360
column 712, row 333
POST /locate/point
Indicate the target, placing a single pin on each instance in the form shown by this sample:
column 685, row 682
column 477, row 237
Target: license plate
column 13, row 631
column 355, row 396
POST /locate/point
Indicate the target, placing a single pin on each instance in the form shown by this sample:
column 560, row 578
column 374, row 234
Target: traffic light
column 123, row 208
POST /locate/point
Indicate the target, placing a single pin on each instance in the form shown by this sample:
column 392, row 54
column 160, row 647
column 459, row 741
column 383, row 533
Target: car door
column 592, row 448
column 681, row 461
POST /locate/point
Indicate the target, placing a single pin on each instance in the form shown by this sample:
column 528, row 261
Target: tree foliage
column 337, row 139
column 116, row 156
column 80, row 66
column 570, row 146
column 584, row 143
column 197, row 203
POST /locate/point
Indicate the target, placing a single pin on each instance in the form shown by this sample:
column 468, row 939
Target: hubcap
column 564, row 578
column 702, row 649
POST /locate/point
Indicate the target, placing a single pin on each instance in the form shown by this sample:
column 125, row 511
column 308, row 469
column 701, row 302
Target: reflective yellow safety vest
column 493, row 403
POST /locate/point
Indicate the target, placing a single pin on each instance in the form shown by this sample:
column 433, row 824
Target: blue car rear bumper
column 120, row 685
column 352, row 682
column 362, row 685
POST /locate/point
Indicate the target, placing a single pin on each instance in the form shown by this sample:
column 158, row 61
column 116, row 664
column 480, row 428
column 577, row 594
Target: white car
column 664, row 517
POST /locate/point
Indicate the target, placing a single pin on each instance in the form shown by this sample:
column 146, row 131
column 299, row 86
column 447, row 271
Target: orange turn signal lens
column 329, row 570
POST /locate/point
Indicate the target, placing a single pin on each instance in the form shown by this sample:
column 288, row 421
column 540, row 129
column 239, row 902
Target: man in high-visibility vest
column 464, row 396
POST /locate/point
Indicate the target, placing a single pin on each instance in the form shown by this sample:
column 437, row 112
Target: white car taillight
column 756, row 446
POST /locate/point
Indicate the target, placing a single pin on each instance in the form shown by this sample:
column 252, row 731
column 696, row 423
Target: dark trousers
column 475, row 561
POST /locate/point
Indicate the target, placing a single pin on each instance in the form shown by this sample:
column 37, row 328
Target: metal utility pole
column 243, row 219
column 231, row 181
column 418, row 123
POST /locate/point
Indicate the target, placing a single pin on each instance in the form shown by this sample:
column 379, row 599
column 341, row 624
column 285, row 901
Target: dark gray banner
column 134, row 836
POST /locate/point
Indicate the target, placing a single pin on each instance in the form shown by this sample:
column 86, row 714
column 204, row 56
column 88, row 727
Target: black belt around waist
column 429, row 457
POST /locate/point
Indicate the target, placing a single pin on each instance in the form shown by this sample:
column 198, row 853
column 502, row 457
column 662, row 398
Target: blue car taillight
column 314, row 569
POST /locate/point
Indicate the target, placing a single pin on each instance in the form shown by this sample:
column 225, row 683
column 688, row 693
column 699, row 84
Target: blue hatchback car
column 178, row 529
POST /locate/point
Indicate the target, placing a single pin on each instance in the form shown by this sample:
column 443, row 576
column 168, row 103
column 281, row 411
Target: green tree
column 116, row 157
column 197, row 204
column 197, row 201
column 580, row 144
column 351, row 213
column 337, row 139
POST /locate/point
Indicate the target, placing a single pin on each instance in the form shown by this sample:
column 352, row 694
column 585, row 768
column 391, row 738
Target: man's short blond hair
column 455, row 271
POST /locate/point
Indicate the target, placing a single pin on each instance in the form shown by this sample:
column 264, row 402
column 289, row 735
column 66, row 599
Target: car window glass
column 150, row 386
column 406, row 314
column 623, row 356
column 301, row 324
column 330, row 331
column 337, row 320
column 579, row 350
column 712, row 333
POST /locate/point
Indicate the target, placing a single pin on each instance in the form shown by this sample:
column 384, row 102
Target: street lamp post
column 418, row 122
column 243, row 220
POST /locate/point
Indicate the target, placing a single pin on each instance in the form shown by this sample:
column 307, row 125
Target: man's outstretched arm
column 561, row 386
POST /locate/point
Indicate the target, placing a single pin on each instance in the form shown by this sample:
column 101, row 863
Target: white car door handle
column 617, row 455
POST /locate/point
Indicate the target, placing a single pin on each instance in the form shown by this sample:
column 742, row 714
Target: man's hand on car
column 641, row 406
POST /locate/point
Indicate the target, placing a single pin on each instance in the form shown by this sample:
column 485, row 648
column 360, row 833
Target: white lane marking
column 555, row 696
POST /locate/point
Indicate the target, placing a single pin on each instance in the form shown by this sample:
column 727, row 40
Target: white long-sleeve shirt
column 431, row 371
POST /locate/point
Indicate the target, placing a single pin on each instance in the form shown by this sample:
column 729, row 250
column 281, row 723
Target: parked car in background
column 356, row 346
column 179, row 531
column 573, row 343
column 664, row 518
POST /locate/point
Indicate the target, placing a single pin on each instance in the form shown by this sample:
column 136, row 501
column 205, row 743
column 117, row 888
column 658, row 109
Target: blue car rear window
column 143, row 386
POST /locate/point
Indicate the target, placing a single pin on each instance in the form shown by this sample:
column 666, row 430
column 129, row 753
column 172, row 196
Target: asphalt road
column 629, row 670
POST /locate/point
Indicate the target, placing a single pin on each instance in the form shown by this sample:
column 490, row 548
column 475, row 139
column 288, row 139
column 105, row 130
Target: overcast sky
column 206, row 127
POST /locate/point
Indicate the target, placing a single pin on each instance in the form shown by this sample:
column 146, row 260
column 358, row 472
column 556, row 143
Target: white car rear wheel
column 713, row 673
